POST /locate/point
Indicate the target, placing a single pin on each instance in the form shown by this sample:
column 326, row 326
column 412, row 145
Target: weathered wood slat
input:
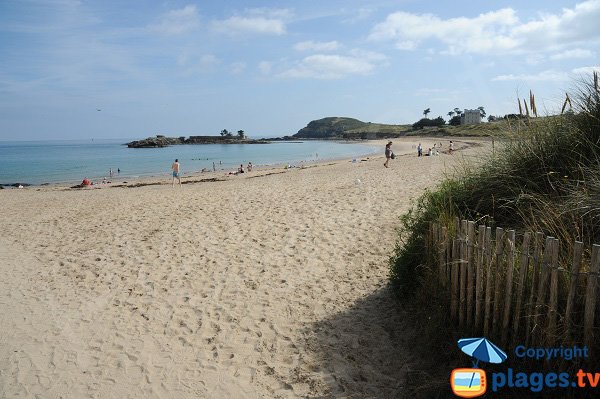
column 553, row 305
column 575, row 266
column 535, row 277
column 497, row 269
column 479, row 278
column 462, row 309
column 523, row 268
column 442, row 255
column 470, row 243
column 543, row 286
column 488, row 281
column 510, row 256
column 454, row 285
column 590, row 297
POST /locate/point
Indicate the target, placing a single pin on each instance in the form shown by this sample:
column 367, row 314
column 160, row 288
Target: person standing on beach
column 419, row 150
column 175, row 168
column 388, row 154
column 451, row 147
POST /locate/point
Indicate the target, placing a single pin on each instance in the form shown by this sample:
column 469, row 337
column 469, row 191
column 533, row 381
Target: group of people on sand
column 176, row 169
column 435, row 150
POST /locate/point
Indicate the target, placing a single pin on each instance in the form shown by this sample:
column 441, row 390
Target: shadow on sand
column 372, row 351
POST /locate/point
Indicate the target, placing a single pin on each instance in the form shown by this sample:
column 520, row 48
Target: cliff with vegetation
column 348, row 128
column 163, row 141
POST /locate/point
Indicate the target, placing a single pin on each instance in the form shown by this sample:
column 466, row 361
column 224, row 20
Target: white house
column 470, row 117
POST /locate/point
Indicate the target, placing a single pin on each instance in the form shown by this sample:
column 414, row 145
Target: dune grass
column 545, row 177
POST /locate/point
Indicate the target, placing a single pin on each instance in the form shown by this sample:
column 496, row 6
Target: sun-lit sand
column 252, row 287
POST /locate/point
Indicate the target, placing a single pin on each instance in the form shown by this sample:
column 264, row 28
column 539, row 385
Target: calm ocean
column 39, row 162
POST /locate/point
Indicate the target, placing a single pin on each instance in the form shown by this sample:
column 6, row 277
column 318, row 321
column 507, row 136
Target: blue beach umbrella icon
column 482, row 349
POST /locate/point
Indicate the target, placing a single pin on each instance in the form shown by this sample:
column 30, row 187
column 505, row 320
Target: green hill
column 349, row 128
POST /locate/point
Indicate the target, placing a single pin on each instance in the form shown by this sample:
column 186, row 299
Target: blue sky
column 270, row 67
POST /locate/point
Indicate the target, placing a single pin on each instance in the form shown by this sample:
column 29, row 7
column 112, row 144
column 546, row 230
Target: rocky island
column 159, row 141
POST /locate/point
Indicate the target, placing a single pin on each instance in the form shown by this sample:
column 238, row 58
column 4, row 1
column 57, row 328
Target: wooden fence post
column 442, row 255
column 479, row 277
column 537, row 256
column 523, row 268
column 488, row 281
column 463, row 274
column 590, row 297
column 544, row 274
column 454, row 284
column 497, row 270
column 470, row 272
column 577, row 252
column 510, row 254
column 553, row 305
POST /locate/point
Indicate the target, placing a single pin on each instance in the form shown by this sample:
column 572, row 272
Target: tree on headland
column 454, row 121
column 457, row 111
column 226, row 133
column 481, row 111
column 450, row 114
column 425, row 112
column 426, row 122
column 241, row 134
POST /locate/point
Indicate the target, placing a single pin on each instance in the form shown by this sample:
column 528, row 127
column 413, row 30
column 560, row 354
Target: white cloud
column 359, row 15
column 238, row 67
column 262, row 21
column 328, row 66
column 179, row 21
column 494, row 32
column 586, row 70
column 265, row 67
column 208, row 61
column 548, row 75
column 570, row 54
column 317, row 46
column 406, row 45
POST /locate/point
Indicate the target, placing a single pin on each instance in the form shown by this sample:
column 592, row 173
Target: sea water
column 40, row 162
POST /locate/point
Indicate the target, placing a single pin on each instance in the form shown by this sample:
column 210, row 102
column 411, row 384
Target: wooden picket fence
column 525, row 292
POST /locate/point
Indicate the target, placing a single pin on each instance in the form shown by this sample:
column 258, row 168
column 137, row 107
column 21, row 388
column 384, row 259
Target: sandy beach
column 272, row 284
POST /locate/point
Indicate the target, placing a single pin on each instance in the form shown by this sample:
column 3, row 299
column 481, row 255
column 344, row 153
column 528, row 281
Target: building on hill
column 470, row 117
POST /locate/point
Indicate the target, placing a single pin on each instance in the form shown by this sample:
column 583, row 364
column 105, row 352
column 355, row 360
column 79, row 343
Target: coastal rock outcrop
column 159, row 141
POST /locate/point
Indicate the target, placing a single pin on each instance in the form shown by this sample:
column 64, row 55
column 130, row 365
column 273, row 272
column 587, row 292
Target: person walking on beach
column 419, row 150
column 388, row 154
column 175, row 169
column 451, row 147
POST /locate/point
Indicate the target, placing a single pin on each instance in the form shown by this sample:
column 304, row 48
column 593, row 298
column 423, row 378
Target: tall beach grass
column 546, row 178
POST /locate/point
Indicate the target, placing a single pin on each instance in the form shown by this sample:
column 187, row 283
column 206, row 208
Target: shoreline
column 259, row 170
column 166, row 174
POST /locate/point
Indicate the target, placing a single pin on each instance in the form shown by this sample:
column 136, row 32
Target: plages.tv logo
column 472, row 382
